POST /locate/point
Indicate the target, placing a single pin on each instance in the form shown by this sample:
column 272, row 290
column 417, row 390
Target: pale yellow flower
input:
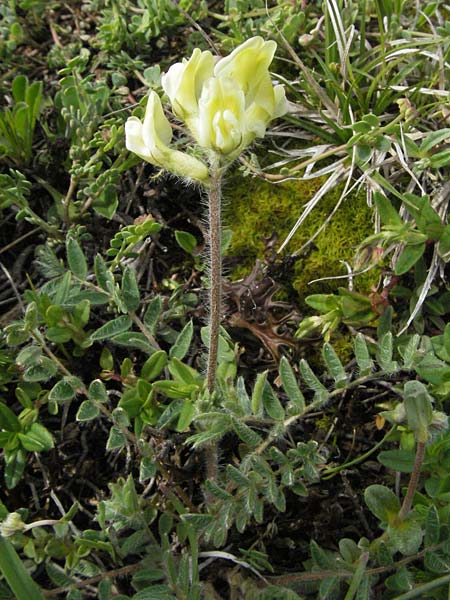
column 224, row 105
column 228, row 105
column 183, row 82
column 150, row 140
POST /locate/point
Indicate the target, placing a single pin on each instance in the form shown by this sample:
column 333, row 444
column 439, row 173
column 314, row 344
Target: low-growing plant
column 17, row 124
column 325, row 434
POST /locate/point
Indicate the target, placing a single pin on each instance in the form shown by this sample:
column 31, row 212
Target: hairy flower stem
column 414, row 480
column 215, row 300
column 215, row 286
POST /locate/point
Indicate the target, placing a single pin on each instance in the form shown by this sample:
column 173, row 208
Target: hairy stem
column 215, row 300
column 215, row 286
column 414, row 480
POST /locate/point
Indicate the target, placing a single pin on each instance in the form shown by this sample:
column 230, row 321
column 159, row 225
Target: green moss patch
column 256, row 209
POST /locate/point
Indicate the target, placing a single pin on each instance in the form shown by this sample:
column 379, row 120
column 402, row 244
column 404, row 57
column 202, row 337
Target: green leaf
column 134, row 339
column 247, row 435
column 321, row 393
column 406, row 536
column 181, row 345
column 30, row 355
column 276, row 592
column 433, row 370
column 105, row 590
column 58, row 335
column 155, row 592
column 31, row 318
column 349, row 550
column 321, row 558
column 186, row 240
column 199, row 522
column 271, row 403
column 154, row 365
column 440, row 159
column 362, row 356
column 175, row 389
column 409, row 352
column 334, row 365
column 186, row 416
column 88, row 410
column 384, row 554
column 103, row 275
column 16, row 575
column 81, row 313
column 41, row 372
column 62, row 391
column 432, row 526
column 130, row 289
column 106, row 202
column 151, row 316
column 434, row 138
column 202, row 438
column 444, row 244
column 19, row 88
column 257, row 394
column 97, row 392
column 388, row 214
column 147, row 469
column 236, row 475
column 212, row 488
column 385, row 322
column 112, row 328
column 106, row 359
column 382, row 502
column 329, row 588
column 290, row 385
column 116, row 439
column 63, row 290
column 37, row 439
column 401, row 581
column 408, row 258
column 397, row 460
column 183, row 373
column 385, row 351
column 419, row 409
column 76, row 259
column 427, row 219
column 14, row 466
column 324, row 303
column 8, row 420
column 437, row 562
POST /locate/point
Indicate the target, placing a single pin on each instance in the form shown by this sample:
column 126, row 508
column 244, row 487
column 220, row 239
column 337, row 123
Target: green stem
column 329, row 473
column 420, row 590
column 414, row 480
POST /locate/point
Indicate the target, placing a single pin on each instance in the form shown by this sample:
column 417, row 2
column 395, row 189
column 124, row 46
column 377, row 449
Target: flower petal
column 220, row 123
column 156, row 130
column 150, row 140
column 133, row 137
column 184, row 81
column 248, row 63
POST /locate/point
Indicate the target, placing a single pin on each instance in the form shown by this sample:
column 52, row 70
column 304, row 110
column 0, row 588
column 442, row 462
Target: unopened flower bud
column 12, row 524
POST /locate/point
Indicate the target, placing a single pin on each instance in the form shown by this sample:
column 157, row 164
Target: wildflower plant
column 225, row 104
